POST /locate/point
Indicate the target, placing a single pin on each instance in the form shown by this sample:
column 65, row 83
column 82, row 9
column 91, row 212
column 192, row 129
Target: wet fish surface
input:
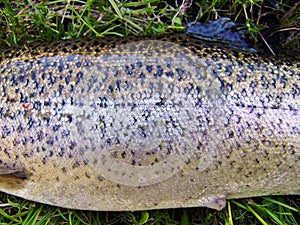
column 144, row 123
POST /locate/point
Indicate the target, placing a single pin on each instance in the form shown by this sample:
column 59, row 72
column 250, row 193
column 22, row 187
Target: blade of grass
column 116, row 8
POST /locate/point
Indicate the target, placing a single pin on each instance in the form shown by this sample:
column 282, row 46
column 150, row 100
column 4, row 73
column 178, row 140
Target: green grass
column 265, row 210
column 28, row 20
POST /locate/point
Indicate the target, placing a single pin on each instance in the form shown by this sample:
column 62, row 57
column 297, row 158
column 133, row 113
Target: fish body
column 144, row 123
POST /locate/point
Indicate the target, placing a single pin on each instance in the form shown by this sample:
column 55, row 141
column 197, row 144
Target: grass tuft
column 265, row 210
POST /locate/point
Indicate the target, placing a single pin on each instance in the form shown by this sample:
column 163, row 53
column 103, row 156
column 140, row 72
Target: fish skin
column 147, row 122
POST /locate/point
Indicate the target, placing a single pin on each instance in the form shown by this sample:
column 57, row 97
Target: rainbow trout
column 144, row 123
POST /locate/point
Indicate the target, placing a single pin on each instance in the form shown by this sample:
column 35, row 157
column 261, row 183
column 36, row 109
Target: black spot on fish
column 78, row 64
column 169, row 74
column 159, row 71
column 149, row 68
column 79, row 77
